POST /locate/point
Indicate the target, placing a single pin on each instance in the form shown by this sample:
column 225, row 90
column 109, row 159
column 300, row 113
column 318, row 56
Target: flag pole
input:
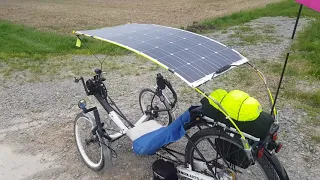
column 286, row 61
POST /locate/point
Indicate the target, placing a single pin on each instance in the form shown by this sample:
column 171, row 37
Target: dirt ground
column 67, row 15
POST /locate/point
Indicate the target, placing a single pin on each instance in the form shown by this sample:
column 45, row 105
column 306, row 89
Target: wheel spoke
column 88, row 144
column 148, row 99
column 225, row 155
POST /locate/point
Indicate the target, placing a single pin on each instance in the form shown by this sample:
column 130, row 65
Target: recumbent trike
column 218, row 149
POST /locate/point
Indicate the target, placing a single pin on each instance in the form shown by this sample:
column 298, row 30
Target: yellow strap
column 269, row 92
column 265, row 83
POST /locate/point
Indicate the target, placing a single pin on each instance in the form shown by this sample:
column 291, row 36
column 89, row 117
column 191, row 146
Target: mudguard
column 281, row 171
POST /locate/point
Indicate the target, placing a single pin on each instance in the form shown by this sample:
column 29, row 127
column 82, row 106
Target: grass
column 69, row 66
column 18, row 41
column 310, row 98
column 253, row 38
column 316, row 138
column 246, row 35
column 269, row 29
column 23, row 48
column 294, row 68
column 307, row 47
column 245, row 29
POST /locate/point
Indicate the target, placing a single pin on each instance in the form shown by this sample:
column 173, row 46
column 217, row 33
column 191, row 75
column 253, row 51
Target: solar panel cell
column 171, row 61
column 171, row 48
column 205, row 66
column 156, row 53
column 190, row 73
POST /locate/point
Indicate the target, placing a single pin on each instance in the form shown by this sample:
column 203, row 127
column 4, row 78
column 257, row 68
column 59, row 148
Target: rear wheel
column 149, row 99
column 222, row 152
column 91, row 147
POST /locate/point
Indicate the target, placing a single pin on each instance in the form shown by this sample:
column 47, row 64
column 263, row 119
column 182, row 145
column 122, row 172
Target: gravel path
column 36, row 126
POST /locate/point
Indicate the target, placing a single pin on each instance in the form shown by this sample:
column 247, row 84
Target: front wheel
column 149, row 99
column 92, row 148
column 223, row 153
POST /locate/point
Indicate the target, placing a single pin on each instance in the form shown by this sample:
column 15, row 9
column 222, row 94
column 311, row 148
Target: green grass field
column 18, row 41
column 23, row 48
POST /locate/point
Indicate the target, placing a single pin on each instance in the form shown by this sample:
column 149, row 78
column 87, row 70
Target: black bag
column 163, row 170
column 232, row 153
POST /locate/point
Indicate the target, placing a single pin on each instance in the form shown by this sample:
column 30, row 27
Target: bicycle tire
column 144, row 106
column 87, row 159
column 266, row 166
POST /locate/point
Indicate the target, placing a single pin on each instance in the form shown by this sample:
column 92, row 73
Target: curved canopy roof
column 194, row 58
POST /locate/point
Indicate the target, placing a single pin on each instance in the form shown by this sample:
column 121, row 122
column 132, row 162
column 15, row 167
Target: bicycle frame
column 115, row 117
column 183, row 171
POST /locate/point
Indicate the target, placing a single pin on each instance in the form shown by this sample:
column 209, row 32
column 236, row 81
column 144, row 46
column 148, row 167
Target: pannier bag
column 164, row 170
column 243, row 109
column 232, row 153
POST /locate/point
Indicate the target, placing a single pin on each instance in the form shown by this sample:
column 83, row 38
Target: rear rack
column 231, row 129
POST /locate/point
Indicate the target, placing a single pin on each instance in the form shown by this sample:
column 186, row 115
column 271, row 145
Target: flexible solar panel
column 194, row 58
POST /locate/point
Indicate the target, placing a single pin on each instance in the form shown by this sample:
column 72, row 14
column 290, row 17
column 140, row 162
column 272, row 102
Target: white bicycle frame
column 116, row 119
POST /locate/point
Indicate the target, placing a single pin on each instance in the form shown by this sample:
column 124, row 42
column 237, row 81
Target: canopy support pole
column 286, row 61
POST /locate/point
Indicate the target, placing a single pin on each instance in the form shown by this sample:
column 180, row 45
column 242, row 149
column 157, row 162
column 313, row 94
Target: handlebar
column 92, row 85
column 76, row 80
